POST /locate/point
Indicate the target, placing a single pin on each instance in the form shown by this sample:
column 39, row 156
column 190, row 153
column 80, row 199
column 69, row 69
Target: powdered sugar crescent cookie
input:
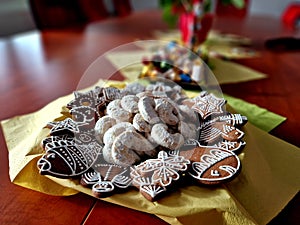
column 107, row 156
column 167, row 111
column 116, row 130
column 102, row 125
column 140, row 124
column 134, row 88
column 115, row 110
column 188, row 130
column 146, row 106
column 122, row 154
column 130, row 103
column 160, row 134
column 129, row 146
column 188, row 115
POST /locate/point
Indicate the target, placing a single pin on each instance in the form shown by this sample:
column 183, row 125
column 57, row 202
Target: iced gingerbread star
column 207, row 104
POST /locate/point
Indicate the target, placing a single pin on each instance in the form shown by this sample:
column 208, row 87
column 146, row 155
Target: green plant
column 171, row 8
column 237, row 3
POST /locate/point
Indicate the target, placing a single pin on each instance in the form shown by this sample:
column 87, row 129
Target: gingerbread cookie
column 211, row 166
column 207, row 104
column 154, row 176
column 106, row 179
column 65, row 158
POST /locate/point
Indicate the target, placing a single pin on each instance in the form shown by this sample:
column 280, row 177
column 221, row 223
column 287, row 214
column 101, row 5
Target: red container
column 291, row 16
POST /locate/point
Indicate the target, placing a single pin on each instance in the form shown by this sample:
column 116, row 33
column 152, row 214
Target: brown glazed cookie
column 154, row 176
column 207, row 104
column 106, row 179
column 65, row 157
column 211, row 166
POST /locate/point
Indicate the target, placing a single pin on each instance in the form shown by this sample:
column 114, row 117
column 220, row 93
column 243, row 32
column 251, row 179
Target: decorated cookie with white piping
column 154, row 176
column 207, row 104
column 106, row 179
column 212, row 165
column 65, row 158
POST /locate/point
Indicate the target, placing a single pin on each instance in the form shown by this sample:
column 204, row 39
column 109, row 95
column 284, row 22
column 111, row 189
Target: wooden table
column 38, row 67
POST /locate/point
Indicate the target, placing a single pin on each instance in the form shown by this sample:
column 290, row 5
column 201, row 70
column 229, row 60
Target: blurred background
column 16, row 17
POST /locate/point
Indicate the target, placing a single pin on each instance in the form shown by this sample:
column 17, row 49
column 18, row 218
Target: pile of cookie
column 150, row 137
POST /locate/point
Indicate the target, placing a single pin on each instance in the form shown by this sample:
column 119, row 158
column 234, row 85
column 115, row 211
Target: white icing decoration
column 191, row 142
column 214, row 173
column 233, row 119
column 103, row 186
column 161, row 172
column 121, row 180
column 209, row 134
column 90, row 177
column 152, row 190
column 229, row 145
column 227, row 129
